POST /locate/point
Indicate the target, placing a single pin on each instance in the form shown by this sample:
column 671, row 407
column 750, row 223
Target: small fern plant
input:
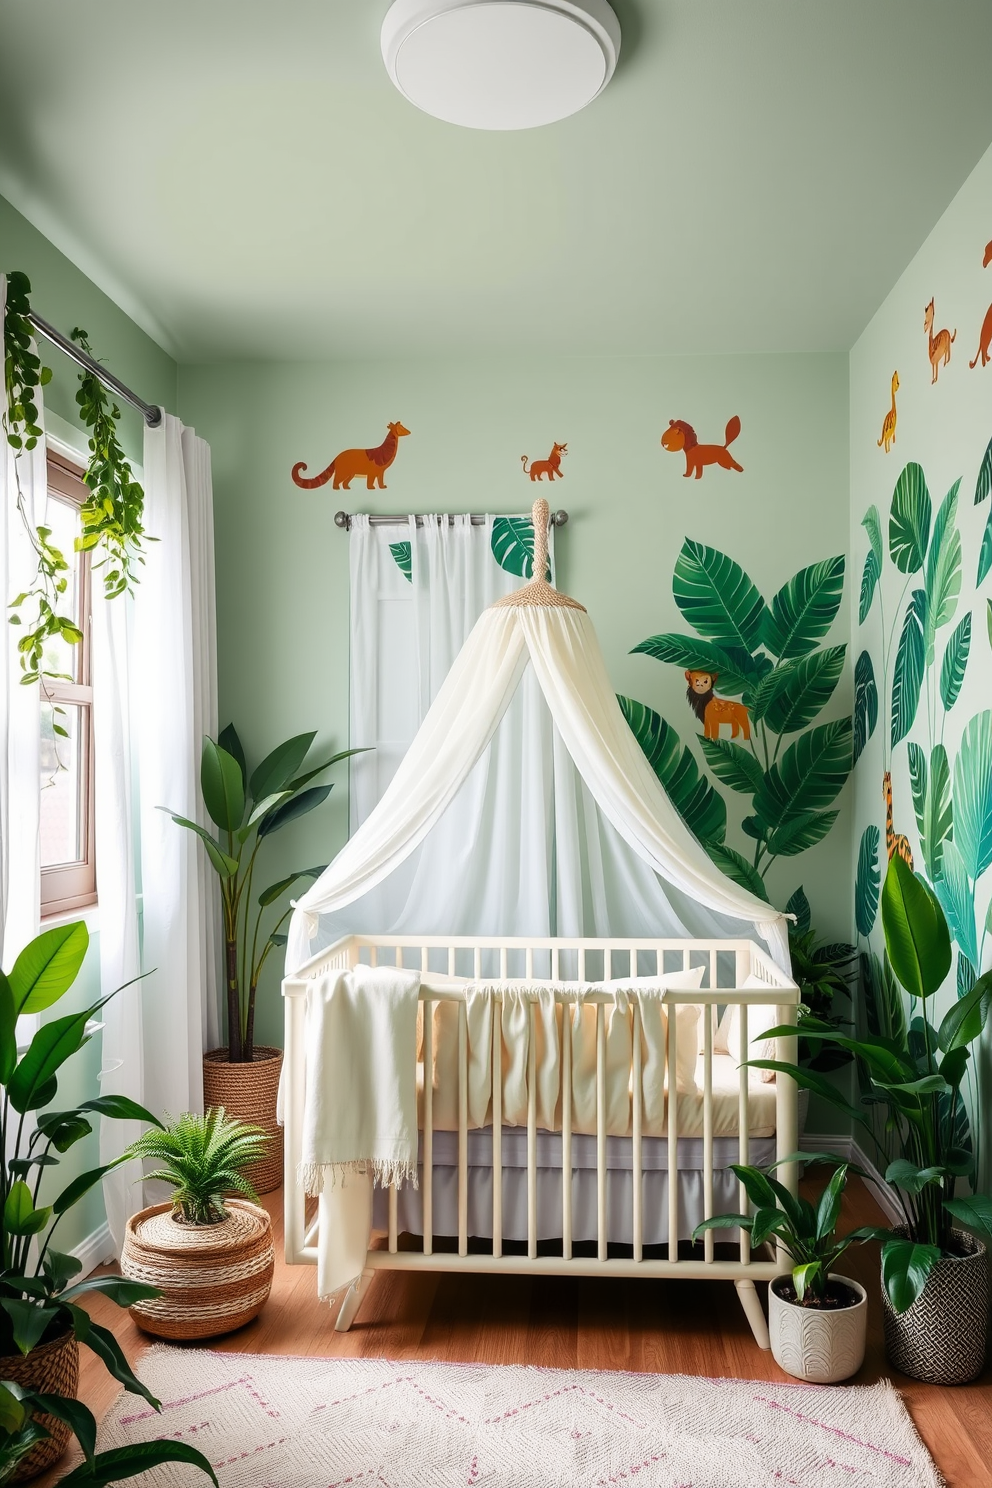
column 203, row 1158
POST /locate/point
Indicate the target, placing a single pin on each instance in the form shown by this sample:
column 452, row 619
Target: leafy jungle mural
column 682, row 436
column 767, row 746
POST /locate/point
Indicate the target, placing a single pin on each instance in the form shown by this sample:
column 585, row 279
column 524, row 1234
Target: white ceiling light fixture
column 500, row 64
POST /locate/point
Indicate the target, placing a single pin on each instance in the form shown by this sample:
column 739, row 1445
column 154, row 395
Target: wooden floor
column 655, row 1326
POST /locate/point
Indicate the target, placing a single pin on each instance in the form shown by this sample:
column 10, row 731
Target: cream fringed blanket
column 360, row 1119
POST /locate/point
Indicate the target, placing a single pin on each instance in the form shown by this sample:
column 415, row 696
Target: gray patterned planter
column 819, row 1345
column 942, row 1338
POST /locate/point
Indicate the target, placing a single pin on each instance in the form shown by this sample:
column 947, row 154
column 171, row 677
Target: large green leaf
column 943, row 580
column 955, row 660
column 885, row 1010
column 8, row 1030
column 797, row 833
column 47, row 967
column 965, row 1019
column 973, row 795
column 403, row 554
column 870, row 575
column 732, row 764
column 513, row 546
column 957, row 899
column 908, row 675
column 798, row 905
column 128, row 1462
column 938, row 814
column 803, row 689
column 279, row 766
column 916, row 935
column 974, row 1210
column 909, row 520
column 222, row 785
column 734, row 668
column 865, row 703
column 717, row 598
column 809, row 775
column 223, row 863
column 51, row 1046
column 297, row 806
column 20, row 1217
column 867, row 882
column 985, row 551
column 983, row 485
column 872, row 523
column 703, row 809
column 737, row 868
column 228, row 739
column 905, row 1268
column 804, row 609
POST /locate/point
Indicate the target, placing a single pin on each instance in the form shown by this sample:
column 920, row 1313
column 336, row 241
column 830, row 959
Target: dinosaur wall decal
column 370, row 463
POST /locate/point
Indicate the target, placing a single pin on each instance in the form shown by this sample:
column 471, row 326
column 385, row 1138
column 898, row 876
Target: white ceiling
column 243, row 178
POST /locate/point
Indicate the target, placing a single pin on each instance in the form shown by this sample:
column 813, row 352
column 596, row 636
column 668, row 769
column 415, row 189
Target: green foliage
column 867, row 881
column 804, row 609
column 985, row 552
column 872, row 524
column 513, row 546
column 403, row 554
column 909, row 520
column 248, row 807
column 717, row 598
column 973, row 795
column 865, row 704
column 823, row 972
column 870, row 575
column 701, row 807
column 943, row 569
column 203, row 1159
column 952, row 668
column 910, row 660
column 916, row 935
column 983, row 485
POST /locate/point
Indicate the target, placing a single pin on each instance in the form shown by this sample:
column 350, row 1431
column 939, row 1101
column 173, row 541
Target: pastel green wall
column 64, row 297
column 282, row 565
column 946, row 428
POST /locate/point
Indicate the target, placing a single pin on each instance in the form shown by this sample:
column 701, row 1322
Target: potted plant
column 934, row 1273
column 209, row 1257
column 816, row 1317
column 41, row 1320
column 247, row 808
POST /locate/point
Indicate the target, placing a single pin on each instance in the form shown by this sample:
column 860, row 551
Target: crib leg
column 751, row 1303
column 353, row 1299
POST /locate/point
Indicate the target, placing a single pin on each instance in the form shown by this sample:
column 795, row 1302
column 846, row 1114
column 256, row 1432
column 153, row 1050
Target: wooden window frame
column 71, row 886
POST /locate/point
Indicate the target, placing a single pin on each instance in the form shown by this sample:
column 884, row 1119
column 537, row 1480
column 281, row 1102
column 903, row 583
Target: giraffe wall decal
column 897, row 843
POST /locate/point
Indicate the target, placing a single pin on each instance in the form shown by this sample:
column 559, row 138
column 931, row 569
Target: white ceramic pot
column 819, row 1345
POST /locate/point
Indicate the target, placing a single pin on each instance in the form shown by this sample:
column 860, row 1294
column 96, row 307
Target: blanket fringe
column 315, row 1177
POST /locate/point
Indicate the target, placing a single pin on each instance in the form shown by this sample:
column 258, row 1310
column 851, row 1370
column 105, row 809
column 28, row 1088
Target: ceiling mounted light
column 500, row 64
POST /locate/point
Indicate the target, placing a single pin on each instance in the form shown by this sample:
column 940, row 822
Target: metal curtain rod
column 149, row 412
column 343, row 519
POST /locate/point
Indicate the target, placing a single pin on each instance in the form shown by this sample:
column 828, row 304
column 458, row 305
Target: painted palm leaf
column 965, row 976
column 731, row 667
column 867, row 881
column 733, row 765
column 717, row 598
column 703, row 809
column 799, row 906
column 797, row 833
column 809, row 776
column 943, row 580
column 932, row 803
column 403, row 554
column 882, row 999
column 737, row 868
column 513, row 546
column 872, row 524
column 803, row 689
column 985, row 551
column 908, row 675
column 870, row 576
column 983, row 484
column 909, row 520
column 973, row 798
column 804, row 609
column 952, row 668
column 957, row 899
column 865, row 703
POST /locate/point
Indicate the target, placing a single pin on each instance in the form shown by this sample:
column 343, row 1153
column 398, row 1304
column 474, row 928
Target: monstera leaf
column 867, row 882
column 703, row 809
column 983, row 484
column 865, row 703
column 733, row 668
column 403, row 554
column 733, row 765
column 955, row 660
column 973, row 797
column 796, row 692
column 804, row 609
column 809, row 775
column 943, row 581
column 908, row 675
column 717, row 598
column 737, row 867
column 872, row 524
column 513, row 546
column 909, row 520
column 870, row 575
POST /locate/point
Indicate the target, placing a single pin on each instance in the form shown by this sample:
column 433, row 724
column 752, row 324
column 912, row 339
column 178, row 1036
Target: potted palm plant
column 41, row 1320
column 935, row 1278
column 816, row 1317
column 209, row 1257
column 248, row 807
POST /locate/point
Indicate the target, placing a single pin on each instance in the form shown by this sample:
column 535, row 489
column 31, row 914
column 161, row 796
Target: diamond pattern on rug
column 267, row 1421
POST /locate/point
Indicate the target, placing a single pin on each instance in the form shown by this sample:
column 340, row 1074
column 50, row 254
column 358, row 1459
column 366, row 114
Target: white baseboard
column 94, row 1250
column 848, row 1149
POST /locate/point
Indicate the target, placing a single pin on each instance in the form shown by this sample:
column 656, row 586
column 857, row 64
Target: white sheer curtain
column 20, row 731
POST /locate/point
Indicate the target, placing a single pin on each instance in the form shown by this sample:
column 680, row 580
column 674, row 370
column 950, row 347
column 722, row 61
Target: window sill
column 88, row 913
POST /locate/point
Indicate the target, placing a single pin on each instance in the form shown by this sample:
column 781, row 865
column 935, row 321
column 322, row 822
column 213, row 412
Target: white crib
column 728, row 964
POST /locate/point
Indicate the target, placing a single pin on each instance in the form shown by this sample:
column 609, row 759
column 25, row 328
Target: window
column 68, row 857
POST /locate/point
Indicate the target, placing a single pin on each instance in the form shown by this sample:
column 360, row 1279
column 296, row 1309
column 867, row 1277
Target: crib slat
column 566, row 1130
column 502, row 963
column 462, row 1126
column 425, row 960
column 477, row 963
column 497, row 1127
column 529, row 963
column 532, row 1131
column 399, row 955
column 708, row 1132
column 451, row 960
column 673, row 1124
column 392, row 1219
column 582, row 963
column 373, row 955
column 428, row 1176
column 638, row 1229
column 602, row 1237
column 554, row 963
column 743, row 1128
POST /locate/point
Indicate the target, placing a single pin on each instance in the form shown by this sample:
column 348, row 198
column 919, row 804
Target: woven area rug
column 266, row 1421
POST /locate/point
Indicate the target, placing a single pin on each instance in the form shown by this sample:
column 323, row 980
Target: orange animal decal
column 372, row 463
column 889, row 421
column 985, row 336
column 897, row 843
column 711, row 710
column 550, row 467
column 939, row 345
column 682, row 436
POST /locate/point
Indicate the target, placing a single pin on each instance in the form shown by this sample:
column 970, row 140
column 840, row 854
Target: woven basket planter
column 942, row 1338
column 51, row 1369
column 249, row 1092
column 213, row 1278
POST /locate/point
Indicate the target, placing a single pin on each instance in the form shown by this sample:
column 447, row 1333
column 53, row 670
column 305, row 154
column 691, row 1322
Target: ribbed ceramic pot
column 213, row 1278
column 822, row 1345
column 249, row 1091
column 943, row 1337
column 51, row 1369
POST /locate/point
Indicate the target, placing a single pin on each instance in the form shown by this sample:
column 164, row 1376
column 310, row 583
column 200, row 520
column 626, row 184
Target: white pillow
column 759, row 1020
column 687, row 1019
